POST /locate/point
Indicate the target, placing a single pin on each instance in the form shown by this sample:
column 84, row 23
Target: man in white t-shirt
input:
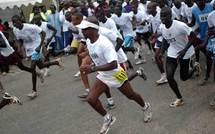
column 156, row 39
column 33, row 39
column 180, row 50
column 109, row 74
column 49, row 39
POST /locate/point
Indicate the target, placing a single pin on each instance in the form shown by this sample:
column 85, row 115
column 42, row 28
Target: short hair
column 166, row 10
column 16, row 17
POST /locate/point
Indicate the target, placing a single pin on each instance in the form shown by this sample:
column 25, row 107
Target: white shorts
column 110, row 81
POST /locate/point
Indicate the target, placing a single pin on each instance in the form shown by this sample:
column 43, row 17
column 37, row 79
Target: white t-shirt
column 109, row 24
column 30, row 34
column 140, row 17
column 124, row 22
column 112, row 36
column 177, row 37
column 211, row 19
column 102, row 52
column 178, row 11
column 44, row 27
column 8, row 50
column 63, row 20
column 155, row 21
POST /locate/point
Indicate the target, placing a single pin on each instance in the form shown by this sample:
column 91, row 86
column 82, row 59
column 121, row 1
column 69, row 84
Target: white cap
column 86, row 24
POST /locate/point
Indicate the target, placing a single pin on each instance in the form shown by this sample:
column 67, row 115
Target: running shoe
column 13, row 99
column 141, row 73
column 140, row 62
column 33, row 95
column 177, row 103
column 77, row 75
column 111, row 106
column 84, row 95
column 60, row 63
column 40, row 75
column 137, row 53
column 162, row 80
column 198, row 69
column 212, row 103
column 147, row 112
column 106, row 124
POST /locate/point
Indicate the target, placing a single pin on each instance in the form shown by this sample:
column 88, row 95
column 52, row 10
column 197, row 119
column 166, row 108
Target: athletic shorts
column 158, row 44
column 128, row 41
column 36, row 56
column 75, row 43
column 12, row 59
column 116, row 80
column 211, row 47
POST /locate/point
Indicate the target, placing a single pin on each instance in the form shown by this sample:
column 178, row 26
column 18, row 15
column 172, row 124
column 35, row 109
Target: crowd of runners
column 101, row 33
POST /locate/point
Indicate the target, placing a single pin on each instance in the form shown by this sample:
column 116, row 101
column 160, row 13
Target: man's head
column 36, row 10
column 17, row 22
column 200, row 4
column 118, row 10
column 52, row 8
column 151, row 8
column 37, row 20
column 166, row 15
column 89, row 27
column 100, row 15
column 134, row 6
column 77, row 18
column 177, row 4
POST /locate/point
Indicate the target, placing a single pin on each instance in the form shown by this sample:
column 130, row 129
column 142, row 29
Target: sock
column 87, row 89
column 145, row 106
column 107, row 116
column 110, row 101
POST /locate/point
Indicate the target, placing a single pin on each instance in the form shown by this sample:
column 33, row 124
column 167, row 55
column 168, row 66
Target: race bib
column 203, row 17
column 121, row 75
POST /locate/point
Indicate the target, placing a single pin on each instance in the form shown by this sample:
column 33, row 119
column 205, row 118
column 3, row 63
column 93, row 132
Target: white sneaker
column 162, row 80
column 106, row 125
column 33, row 95
column 77, row 75
column 40, row 75
column 141, row 73
column 46, row 72
column 198, row 68
column 140, row 62
column 147, row 113
column 177, row 103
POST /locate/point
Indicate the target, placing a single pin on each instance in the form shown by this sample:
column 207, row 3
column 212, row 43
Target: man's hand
column 86, row 69
column 181, row 54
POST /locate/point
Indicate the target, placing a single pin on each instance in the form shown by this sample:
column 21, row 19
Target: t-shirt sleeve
column 130, row 15
column 211, row 20
column 109, row 52
column 185, row 29
column 35, row 28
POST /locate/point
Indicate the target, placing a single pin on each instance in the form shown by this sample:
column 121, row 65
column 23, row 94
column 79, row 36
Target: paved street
column 58, row 110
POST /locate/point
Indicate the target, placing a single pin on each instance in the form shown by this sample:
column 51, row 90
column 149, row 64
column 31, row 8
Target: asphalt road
column 58, row 110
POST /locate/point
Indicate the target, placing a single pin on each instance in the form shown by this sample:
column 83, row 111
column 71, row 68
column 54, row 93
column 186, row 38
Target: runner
column 156, row 39
column 33, row 39
column 179, row 51
column 199, row 16
column 110, row 74
column 49, row 39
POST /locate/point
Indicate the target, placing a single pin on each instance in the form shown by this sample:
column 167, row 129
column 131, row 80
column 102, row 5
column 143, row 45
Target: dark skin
column 201, row 5
column 166, row 19
column 93, row 37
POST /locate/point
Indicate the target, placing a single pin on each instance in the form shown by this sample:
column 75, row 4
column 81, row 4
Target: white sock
column 88, row 90
column 145, row 107
column 110, row 101
column 107, row 116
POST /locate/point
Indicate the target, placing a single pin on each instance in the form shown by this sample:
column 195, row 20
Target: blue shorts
column 36, row 56
column 128, row 41
column 211, row 46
